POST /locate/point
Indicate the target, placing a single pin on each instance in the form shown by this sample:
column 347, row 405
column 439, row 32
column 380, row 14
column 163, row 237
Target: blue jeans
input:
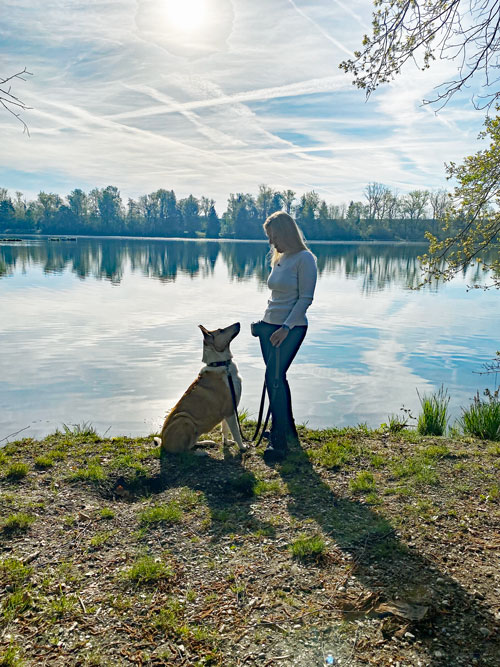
column 283, row 425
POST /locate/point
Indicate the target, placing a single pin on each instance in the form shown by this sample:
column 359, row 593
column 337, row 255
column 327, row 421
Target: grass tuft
column 434, row 416
column 84, row 429
column 92, row 473
column 147, row 570
column 17, row 471
column 44, row 462
column 242, row 485
column 333, row 453
column 308, row 547
column 17, row 523
column 13, row 572
column 101, row 538
column 482, row 418
column 395, row 423
column 268, row 488
column 10, row 657
column 364, row 482
column 170, row 513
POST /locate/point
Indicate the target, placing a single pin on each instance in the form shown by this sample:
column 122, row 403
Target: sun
column 186, row 15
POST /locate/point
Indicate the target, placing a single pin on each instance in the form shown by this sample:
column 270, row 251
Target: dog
column 208, row 401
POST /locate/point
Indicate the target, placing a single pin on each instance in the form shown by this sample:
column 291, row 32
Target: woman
column 284, row 325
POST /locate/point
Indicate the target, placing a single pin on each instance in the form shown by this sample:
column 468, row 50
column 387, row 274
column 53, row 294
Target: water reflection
column 105, row 330
column 379, row 265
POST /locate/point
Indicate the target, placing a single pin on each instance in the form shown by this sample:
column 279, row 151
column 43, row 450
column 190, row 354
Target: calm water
column 105, row 331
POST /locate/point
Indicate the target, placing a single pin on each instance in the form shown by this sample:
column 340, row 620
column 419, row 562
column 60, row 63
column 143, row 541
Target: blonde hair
column 288, row 231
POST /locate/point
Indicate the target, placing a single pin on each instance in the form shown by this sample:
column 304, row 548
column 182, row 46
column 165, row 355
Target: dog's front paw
column 206, row 443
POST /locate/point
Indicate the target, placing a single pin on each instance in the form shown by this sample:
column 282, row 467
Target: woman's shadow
column 392, row 571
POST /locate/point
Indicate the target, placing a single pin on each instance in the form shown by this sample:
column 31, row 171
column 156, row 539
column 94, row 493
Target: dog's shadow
column 228, row 488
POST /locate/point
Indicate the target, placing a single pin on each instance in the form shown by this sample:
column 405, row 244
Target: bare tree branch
column 11, row 102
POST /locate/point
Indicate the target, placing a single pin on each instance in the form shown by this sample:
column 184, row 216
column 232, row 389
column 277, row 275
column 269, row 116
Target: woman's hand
column 279, row 336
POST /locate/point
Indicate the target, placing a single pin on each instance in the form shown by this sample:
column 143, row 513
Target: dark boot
column 277, row 448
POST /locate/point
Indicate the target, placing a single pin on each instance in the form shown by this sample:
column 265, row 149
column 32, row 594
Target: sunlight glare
column 186, row 15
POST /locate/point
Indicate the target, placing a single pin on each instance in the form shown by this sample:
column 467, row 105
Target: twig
column 9, row 100
column 278, row 657
column 11, row 434
column 31, row 557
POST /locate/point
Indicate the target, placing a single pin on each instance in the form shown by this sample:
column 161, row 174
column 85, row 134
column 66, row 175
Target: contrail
column 320, row 29
column 322, row 85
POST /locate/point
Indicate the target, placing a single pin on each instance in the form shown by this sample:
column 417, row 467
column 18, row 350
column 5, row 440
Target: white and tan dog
column 208, row 401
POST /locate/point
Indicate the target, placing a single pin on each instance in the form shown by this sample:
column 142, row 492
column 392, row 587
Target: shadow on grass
column 227, row 486
column 391, row 570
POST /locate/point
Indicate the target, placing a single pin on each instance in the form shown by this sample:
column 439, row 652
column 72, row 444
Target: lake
column 105, row 331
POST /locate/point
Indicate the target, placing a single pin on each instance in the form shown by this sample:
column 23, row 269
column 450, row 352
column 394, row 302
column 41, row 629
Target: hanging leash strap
column 271, row 399
column 261, row 412
column 215, row 364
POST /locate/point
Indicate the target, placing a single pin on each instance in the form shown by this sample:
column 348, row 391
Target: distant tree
column 205, row 204
column 110, row 209
column 307, row 213
column 79, row 205
column 337, row 211
column 134, row 218
column 376, row 196
column 170, row 213
column 47, row 205
column 354, row 216
column 190, row 215
column 391, row 205
column 276, row 203
column 288, row 197
column 414, row 204
column 212, row 229
column 438, row 201
column 7, row 214
column 241, row 219
column 264, row 201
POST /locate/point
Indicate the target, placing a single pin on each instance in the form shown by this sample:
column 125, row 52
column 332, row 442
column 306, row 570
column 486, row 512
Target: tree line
column 382, row 215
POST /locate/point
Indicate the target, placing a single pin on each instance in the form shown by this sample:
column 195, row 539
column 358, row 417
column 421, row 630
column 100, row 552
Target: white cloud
column 120, row 97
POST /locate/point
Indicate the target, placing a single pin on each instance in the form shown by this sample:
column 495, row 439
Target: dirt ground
column 362, row 548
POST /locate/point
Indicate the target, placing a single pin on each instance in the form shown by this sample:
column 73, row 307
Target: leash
column 271, row 399
column 272, row 396
column 215, row 364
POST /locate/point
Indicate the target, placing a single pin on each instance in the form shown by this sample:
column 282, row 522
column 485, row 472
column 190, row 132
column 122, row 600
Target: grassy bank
column 381, row 548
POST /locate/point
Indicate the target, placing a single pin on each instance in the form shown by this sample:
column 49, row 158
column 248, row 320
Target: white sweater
column 292, row 282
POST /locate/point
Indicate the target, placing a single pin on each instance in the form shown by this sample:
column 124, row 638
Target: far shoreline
column 66, row 237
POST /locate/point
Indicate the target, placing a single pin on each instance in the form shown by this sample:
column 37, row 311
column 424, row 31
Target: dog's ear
column 206, row 333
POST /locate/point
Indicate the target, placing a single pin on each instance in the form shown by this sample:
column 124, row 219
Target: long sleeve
column 306, row 277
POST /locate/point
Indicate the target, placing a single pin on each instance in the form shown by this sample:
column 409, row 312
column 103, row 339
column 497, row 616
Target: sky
column 212, row 97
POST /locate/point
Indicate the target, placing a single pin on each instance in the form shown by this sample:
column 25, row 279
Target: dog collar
column 213, row 364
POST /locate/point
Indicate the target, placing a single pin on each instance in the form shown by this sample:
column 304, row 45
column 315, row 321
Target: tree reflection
column 378, row 266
